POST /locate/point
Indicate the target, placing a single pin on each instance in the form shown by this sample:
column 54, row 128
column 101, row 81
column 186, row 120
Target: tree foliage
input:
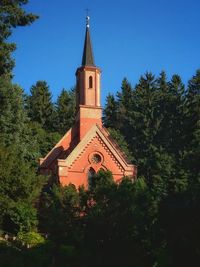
column 65, row 107
column 12, row 15
column 40, row 106
column 151, row 222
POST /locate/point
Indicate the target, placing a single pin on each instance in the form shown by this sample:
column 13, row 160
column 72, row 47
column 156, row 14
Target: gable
column 96, row 140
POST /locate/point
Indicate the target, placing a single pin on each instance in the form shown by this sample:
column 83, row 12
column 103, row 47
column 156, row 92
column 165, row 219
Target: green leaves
column 19, row 189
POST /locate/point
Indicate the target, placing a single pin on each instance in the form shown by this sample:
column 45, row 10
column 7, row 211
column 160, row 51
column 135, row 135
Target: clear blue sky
column 129, row 37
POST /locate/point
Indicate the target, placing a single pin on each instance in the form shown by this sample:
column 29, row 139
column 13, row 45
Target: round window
column 96, row 158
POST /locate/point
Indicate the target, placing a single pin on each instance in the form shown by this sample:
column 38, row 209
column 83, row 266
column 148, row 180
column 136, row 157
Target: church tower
column 88, row 88
column 87, row 147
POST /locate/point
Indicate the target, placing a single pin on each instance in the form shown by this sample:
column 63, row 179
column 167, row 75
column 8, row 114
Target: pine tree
column 144, row 119
column 162, row 106
column 192, row 126
column 153, row 162
column 125, row 105
column 12, row 15
column 175, row 111
column 40, row 106
column 110, row 112
column 65, row 108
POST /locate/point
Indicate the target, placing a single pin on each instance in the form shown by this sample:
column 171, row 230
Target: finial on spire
column 87, row 18
column 87, row 59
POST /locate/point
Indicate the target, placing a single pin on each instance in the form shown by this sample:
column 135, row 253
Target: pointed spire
column 87, row 59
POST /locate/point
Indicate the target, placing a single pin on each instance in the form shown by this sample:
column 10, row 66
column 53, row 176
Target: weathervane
column 87, row 18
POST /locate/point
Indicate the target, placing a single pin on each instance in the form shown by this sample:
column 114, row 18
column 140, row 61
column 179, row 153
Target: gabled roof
column 97, row 131
column 67, row 142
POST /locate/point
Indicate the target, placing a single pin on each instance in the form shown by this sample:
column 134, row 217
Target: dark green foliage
column 124, row 103
column 110, row 112
column 192, row 125
column 19, row 190
column 12, row 15
column 58, row 211
column 121, row 142
column 152, row 118
column 12, row 115
column 108, row 225
column 65, row 107
column 179, row 220
column 40, row 106
column 14, row 129
column 42, row 141
column 149, row 222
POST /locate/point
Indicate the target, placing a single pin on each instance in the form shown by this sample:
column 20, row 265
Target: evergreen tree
column 12, row 15
column 144, row 121
column 13, row 118
column 125, row 96
column 162, row 106
column 40, row 106
column 121, row 142
column 176, row 110
column 192, row 126
column 170, row 105
column 65, row 110
column 15, row 128
column 40, row 142
column 154, row 163
column 125, row 105
column 110, row 112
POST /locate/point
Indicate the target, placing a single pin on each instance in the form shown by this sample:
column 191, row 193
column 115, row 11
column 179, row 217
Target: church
column 87, row 147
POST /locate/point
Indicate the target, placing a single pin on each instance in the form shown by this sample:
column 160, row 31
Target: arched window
column 90, row 82
column 91, row 177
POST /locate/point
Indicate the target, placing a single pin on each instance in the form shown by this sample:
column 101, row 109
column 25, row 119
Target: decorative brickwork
column 87, row 147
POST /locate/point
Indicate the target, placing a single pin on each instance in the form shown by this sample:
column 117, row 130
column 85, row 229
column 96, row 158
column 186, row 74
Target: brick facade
column 87, row 147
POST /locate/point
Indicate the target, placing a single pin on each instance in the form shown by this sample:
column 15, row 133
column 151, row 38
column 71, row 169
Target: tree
column 13, row 118
column 125, row 106
column 192, row 126
column 40, row 106
column 110, row 112
column 15, row 127
column 121, row 142
column 119, row 223
column 19, row 189
column 170, row 105
column 12, row 15
column 65, row 108
column 145, row 123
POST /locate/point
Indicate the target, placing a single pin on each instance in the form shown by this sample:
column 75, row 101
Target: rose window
column 96, row 158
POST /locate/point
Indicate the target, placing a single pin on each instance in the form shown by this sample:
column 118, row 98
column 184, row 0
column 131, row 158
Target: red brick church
column 87, row 147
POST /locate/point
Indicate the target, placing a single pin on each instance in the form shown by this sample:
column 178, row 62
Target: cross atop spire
column 87, row 59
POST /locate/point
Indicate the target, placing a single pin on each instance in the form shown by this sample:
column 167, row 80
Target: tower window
column 90, row 82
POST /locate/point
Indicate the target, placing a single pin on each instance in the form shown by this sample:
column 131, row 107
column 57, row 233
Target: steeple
column 87, row 59
column 87, row 147
column 89, row 111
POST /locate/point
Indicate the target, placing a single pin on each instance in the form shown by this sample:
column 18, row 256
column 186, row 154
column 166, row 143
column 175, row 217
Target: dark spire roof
column 87, row 59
